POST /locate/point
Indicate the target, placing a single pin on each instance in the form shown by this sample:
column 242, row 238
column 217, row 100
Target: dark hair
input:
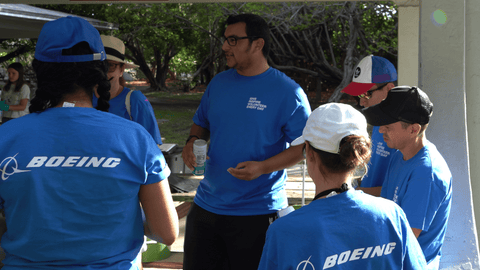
column 122, row 80
column 55, row 80
column 355, row 151
column 20, row 82
column 256, row 27
column 405, row 125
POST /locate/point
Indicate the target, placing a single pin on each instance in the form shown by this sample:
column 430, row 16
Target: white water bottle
column 200, row 152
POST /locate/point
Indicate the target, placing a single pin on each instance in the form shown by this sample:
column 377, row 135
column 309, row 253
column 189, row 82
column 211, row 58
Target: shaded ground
column 165, row 102
column 186, row 103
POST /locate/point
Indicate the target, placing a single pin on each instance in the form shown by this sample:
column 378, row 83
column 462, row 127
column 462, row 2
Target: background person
column 341, row 226
column 16, row 93
column 141, row 110
column 250, row 113
column 418, row 178
column 373, row 78
column 71, row 196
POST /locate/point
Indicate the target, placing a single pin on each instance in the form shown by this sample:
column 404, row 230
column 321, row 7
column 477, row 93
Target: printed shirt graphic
column 422, row 186
column 13, row 98
column 250, row 119
column 378, row 165
column 142, row 111
column 76, row 181
column 351, row 230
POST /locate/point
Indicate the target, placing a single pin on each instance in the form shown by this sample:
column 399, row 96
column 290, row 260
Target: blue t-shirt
column 351, row 230
column 422, row 186
column 141, row 109
column 377, row 167
column 249, row 119
column 69, row 185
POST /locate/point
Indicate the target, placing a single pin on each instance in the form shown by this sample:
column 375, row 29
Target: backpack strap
column 127, row 104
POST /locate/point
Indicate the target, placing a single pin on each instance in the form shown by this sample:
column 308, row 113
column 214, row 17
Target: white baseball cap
column 329, row 124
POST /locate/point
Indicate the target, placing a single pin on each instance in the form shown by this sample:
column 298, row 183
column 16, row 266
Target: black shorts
column 223, row 242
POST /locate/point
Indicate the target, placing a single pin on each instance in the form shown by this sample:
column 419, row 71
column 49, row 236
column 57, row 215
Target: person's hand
column 188, row 156
column 248, row 170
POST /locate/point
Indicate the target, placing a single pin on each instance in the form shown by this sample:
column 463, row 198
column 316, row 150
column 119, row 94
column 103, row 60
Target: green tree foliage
column 153, row 34
column 316, row 43
column 320, row 43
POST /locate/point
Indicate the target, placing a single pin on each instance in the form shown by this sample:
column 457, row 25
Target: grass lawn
column 175, row 112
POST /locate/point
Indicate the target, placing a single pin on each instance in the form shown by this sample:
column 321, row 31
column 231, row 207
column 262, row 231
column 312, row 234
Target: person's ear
column 414, row 129
column 259, row 43
column 389, row 86
column 95, row 88
column 309, row 152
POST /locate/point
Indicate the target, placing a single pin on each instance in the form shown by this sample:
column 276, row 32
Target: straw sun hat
column 115, row 50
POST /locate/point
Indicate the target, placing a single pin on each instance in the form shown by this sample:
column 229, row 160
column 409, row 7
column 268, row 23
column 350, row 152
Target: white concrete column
column 472, row 74
column 408, row 39
column 443, row 76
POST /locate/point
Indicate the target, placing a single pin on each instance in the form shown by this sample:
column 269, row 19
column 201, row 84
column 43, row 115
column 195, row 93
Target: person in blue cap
column 373, row 78
column 417, row 178
column 342, row 228
column 74, row 178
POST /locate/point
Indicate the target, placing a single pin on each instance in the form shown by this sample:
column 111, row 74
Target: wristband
column 190, row 137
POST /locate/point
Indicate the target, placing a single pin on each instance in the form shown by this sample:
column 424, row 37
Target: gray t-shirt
column 13, row 98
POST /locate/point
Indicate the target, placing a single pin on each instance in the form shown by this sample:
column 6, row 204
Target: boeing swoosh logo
column 306, row 265
column 12, row 169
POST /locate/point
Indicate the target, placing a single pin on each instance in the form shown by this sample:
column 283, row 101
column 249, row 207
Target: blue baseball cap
column 64, row 33
column 371, row 70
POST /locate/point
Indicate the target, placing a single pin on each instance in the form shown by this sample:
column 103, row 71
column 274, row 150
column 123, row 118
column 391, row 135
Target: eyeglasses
column 232, row 40
column 112, row 66
column 369, row 93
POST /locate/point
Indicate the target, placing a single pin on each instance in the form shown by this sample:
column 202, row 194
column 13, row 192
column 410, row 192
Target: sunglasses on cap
column 369, row 93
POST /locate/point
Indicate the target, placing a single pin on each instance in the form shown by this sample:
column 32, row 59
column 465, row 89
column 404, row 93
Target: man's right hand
column 188, row 156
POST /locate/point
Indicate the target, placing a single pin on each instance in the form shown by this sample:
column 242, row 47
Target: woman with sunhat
column 341, row 228
column 71, row 179
column 121, row 97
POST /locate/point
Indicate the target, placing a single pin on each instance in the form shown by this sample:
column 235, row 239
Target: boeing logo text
column 359, row 253
column 73, row 161
column 9, row 165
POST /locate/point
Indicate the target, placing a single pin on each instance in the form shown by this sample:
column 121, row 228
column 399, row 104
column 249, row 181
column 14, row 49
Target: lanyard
column 343, row 188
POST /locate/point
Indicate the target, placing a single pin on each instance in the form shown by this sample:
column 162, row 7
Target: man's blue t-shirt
column 141, row 110
column 249, row 119
column 377, row 167
column 422, row 186
column 69, row 185
column 351, row 230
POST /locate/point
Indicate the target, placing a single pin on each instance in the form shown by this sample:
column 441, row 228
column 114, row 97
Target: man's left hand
column 248, row 170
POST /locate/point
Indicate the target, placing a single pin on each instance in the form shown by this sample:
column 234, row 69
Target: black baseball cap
column 403, row 103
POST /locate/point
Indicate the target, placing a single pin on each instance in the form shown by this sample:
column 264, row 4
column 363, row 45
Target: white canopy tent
column 25, row 21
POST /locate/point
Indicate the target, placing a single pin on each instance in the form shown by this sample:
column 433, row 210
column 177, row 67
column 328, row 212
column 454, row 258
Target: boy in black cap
column 418, row 178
